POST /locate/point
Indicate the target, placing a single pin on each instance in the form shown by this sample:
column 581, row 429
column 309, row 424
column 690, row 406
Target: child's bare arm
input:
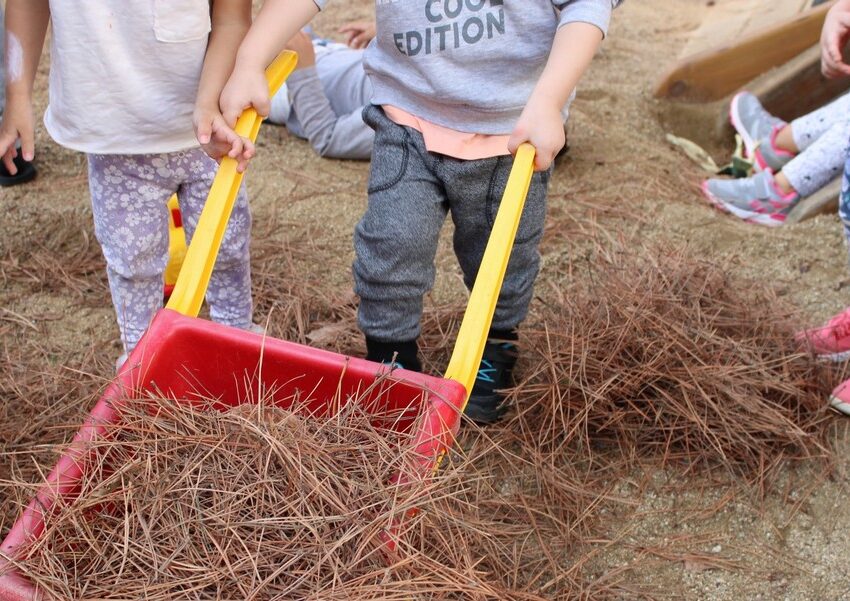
column 231, row 20
column 26, row 26
column 541, row 123
column 277, row 22
column 836, row 31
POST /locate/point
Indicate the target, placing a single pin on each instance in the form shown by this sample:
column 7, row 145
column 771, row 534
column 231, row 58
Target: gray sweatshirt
column 470, row 65
column 325, row 103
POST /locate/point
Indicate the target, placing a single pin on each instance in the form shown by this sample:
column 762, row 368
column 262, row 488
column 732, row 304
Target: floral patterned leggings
column 823, row 137
column 129, row 202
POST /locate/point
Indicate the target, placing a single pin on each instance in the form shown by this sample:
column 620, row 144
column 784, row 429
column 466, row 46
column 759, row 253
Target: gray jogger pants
column 411, row 191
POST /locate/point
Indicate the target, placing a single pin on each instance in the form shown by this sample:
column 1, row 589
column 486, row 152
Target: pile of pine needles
column 657, row 354
column 183, row 501
column 641, row 357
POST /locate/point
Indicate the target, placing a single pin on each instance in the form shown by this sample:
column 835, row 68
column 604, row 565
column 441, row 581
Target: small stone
column 716, row 549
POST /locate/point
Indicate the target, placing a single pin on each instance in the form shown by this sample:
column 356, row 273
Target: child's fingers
column 9, row 151
column 833, row 64
column 834, row 48
column 10, row 154
column 262, row 105
column 543, row 160
column 352, row 33
column 236, row 147
column 249, row 150
column 231, row 109
column 517, row 138
column 7, row 143
column 28, row 144
column 837, row 38
column 351, row 29
column 361, row 41
column 241, row 165
column 230, row 115
column 204, row 131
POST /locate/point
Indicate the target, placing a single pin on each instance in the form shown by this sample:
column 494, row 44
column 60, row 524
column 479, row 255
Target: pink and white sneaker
column 755, row 199
column 840, row 398
column 830, row 341
column 758, row 129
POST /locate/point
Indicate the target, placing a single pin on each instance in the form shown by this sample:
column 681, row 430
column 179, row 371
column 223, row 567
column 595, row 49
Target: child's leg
column 129, row 204
column 822, row 161
column 396, row 240
column 807, row 129
column 229, row 292
column 475, row 191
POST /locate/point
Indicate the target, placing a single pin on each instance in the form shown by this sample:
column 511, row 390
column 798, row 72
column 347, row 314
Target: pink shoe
column 830, row 341
column 840, row 398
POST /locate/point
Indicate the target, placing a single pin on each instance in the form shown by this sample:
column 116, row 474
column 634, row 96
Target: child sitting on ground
column 792, row 160
column 124, row 78
column 323, row 100
column 458, row 86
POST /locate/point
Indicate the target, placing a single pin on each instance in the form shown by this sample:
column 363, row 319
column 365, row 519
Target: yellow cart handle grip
column 191, row 285
column 469, row 347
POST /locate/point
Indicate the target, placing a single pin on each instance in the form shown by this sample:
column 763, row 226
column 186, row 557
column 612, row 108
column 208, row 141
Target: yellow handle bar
column 191, row 285
column 469, row 347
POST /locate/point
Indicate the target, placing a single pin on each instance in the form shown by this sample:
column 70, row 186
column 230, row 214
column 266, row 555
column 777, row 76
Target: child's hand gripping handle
column 463, row 366
column 191, row 285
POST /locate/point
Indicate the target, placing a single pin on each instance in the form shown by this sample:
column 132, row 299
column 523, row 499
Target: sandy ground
column 691, row 538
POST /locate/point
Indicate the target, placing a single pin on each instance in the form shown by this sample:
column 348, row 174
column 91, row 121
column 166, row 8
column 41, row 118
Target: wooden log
column 824, row 200
column 726, row 21
column 713, row 74
column 798, row 87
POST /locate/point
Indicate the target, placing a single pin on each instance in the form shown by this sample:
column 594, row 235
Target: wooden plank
column 729, row 20
column 713, row 74
column 798, row 87
column 823, row 201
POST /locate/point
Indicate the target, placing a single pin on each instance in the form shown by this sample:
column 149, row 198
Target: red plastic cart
column 184, row 357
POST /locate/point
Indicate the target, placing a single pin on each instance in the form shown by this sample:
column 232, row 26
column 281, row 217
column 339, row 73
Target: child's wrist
column 207, row 105
column 18, row 95
column 248, row 61
column 543, row 102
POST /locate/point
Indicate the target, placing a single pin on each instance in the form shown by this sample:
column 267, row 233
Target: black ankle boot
column 495, row 373
column 403, row 355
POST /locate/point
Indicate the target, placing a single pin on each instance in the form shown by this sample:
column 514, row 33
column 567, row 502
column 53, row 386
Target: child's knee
column 381, row 274
column 134, row 253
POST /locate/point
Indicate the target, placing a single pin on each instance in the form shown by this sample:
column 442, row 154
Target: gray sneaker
column 755, row 199
column 758, row 130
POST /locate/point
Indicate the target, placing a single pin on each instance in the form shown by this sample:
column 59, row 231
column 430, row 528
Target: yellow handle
column 176, row 245
column 191, row 286
column 463, row 366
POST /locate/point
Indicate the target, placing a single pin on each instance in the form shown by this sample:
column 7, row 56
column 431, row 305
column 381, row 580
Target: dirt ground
column 692, row 538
